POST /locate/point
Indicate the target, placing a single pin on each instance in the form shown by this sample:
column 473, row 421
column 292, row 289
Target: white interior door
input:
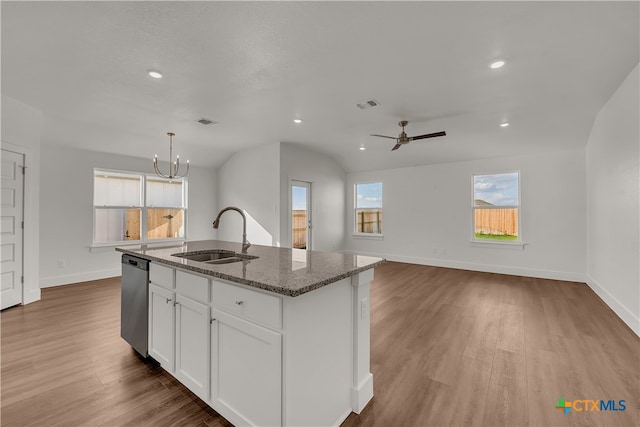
column 11, row 231
column 301, row 224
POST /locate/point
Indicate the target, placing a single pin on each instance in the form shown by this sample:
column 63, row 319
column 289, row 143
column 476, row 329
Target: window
column 368, row 208
column 130, row 206
column 496, row 201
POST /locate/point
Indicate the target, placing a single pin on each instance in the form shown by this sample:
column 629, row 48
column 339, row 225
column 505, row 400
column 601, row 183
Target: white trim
column 495, row 206
column 362, row 381
column 487, row 268
column 499, row 244
column 518, row 206
column 143, row 207
column 368, row 236
column 48, row 282
column 310, row 215
column 341, row 418
column 355, row 232
column 137, row 243
column 622, row 311
column 361, row 395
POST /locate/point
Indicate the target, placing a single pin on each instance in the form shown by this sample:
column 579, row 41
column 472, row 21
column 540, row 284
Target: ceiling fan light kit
column 404, row 139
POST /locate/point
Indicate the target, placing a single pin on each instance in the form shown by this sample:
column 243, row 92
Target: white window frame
column 519, row 243
column 357, row 233
column 143, row 209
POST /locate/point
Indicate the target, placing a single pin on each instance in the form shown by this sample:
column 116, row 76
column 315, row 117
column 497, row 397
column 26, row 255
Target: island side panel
column 362, row 387
column 318, row 356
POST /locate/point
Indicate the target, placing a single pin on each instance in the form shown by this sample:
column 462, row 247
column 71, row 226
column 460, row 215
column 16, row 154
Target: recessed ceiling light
column 497, row 64
column 362, row 147
column 155, row 74
column 297, row 121
column 504, row 125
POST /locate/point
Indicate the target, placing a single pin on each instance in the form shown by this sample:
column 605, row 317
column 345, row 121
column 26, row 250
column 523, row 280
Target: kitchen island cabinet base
column 275, row 359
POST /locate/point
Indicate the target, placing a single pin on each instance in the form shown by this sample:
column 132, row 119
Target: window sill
column 368, row 236
column 137, row 245
column 498, row 244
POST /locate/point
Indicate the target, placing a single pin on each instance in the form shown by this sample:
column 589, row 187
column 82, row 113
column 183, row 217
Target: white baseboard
column 487, row 268
column 32, row 296
column 361, row 395
column 342, row 418
column 47, row 282
column 621, row 310
column 632, row 320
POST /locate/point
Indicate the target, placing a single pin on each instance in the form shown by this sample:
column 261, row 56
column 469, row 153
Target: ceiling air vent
column 367, row 104
column 204, row 121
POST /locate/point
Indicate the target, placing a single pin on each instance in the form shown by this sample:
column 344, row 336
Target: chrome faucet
column 216, row 224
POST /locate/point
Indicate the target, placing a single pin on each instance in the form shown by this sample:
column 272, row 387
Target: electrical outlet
column 364, row 308
column 62, row 263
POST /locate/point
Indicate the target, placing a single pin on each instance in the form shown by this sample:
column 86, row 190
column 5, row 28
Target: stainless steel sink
column 215, row 256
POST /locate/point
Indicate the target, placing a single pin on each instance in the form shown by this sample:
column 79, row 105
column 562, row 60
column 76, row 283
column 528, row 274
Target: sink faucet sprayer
column 216, row 224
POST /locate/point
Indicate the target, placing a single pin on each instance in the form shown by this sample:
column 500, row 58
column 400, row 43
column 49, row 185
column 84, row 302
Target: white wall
column 66, row 212
column 257, row 181
column 427, row 217
column 21, row 132
column 250, row 180
column 327, row 191
column 613, row 214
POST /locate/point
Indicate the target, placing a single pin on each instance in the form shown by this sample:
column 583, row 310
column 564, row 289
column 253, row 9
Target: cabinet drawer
column 252, row 305
column 161, row 276
column 192, row 286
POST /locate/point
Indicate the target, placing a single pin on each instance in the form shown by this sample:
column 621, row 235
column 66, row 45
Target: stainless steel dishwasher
column 134, row 302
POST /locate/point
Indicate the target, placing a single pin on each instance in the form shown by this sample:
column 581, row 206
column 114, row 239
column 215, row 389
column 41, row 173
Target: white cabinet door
column 161, row 326
column 246, row 371
column 192, row 345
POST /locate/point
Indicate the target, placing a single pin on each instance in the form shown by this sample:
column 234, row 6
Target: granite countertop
column 285, row 271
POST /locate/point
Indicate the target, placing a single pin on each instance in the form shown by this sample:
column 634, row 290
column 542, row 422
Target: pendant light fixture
column 174, row 168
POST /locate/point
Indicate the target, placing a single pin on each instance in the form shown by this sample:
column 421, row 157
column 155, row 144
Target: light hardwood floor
column 449, row 348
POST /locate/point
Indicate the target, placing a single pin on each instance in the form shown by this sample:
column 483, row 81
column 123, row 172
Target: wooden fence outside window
column 369, row 221
column 498, row 221
column 161, row 223
column 299, row 229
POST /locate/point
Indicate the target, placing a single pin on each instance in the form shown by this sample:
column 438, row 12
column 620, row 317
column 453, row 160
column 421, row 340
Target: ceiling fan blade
column 396, row 147
column 383, row 136
column 428, row 135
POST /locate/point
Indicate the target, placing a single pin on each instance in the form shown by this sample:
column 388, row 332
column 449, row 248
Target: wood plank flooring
column 64, row 364
column 449, row 348
column 461, row 348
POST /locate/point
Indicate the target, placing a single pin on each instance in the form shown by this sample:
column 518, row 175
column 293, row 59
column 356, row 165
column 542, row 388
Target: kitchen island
column 278, row 337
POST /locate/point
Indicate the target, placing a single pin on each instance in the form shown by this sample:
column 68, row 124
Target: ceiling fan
column 404, row 139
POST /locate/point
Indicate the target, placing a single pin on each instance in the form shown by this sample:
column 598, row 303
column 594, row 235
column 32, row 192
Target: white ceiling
column 254, row 67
